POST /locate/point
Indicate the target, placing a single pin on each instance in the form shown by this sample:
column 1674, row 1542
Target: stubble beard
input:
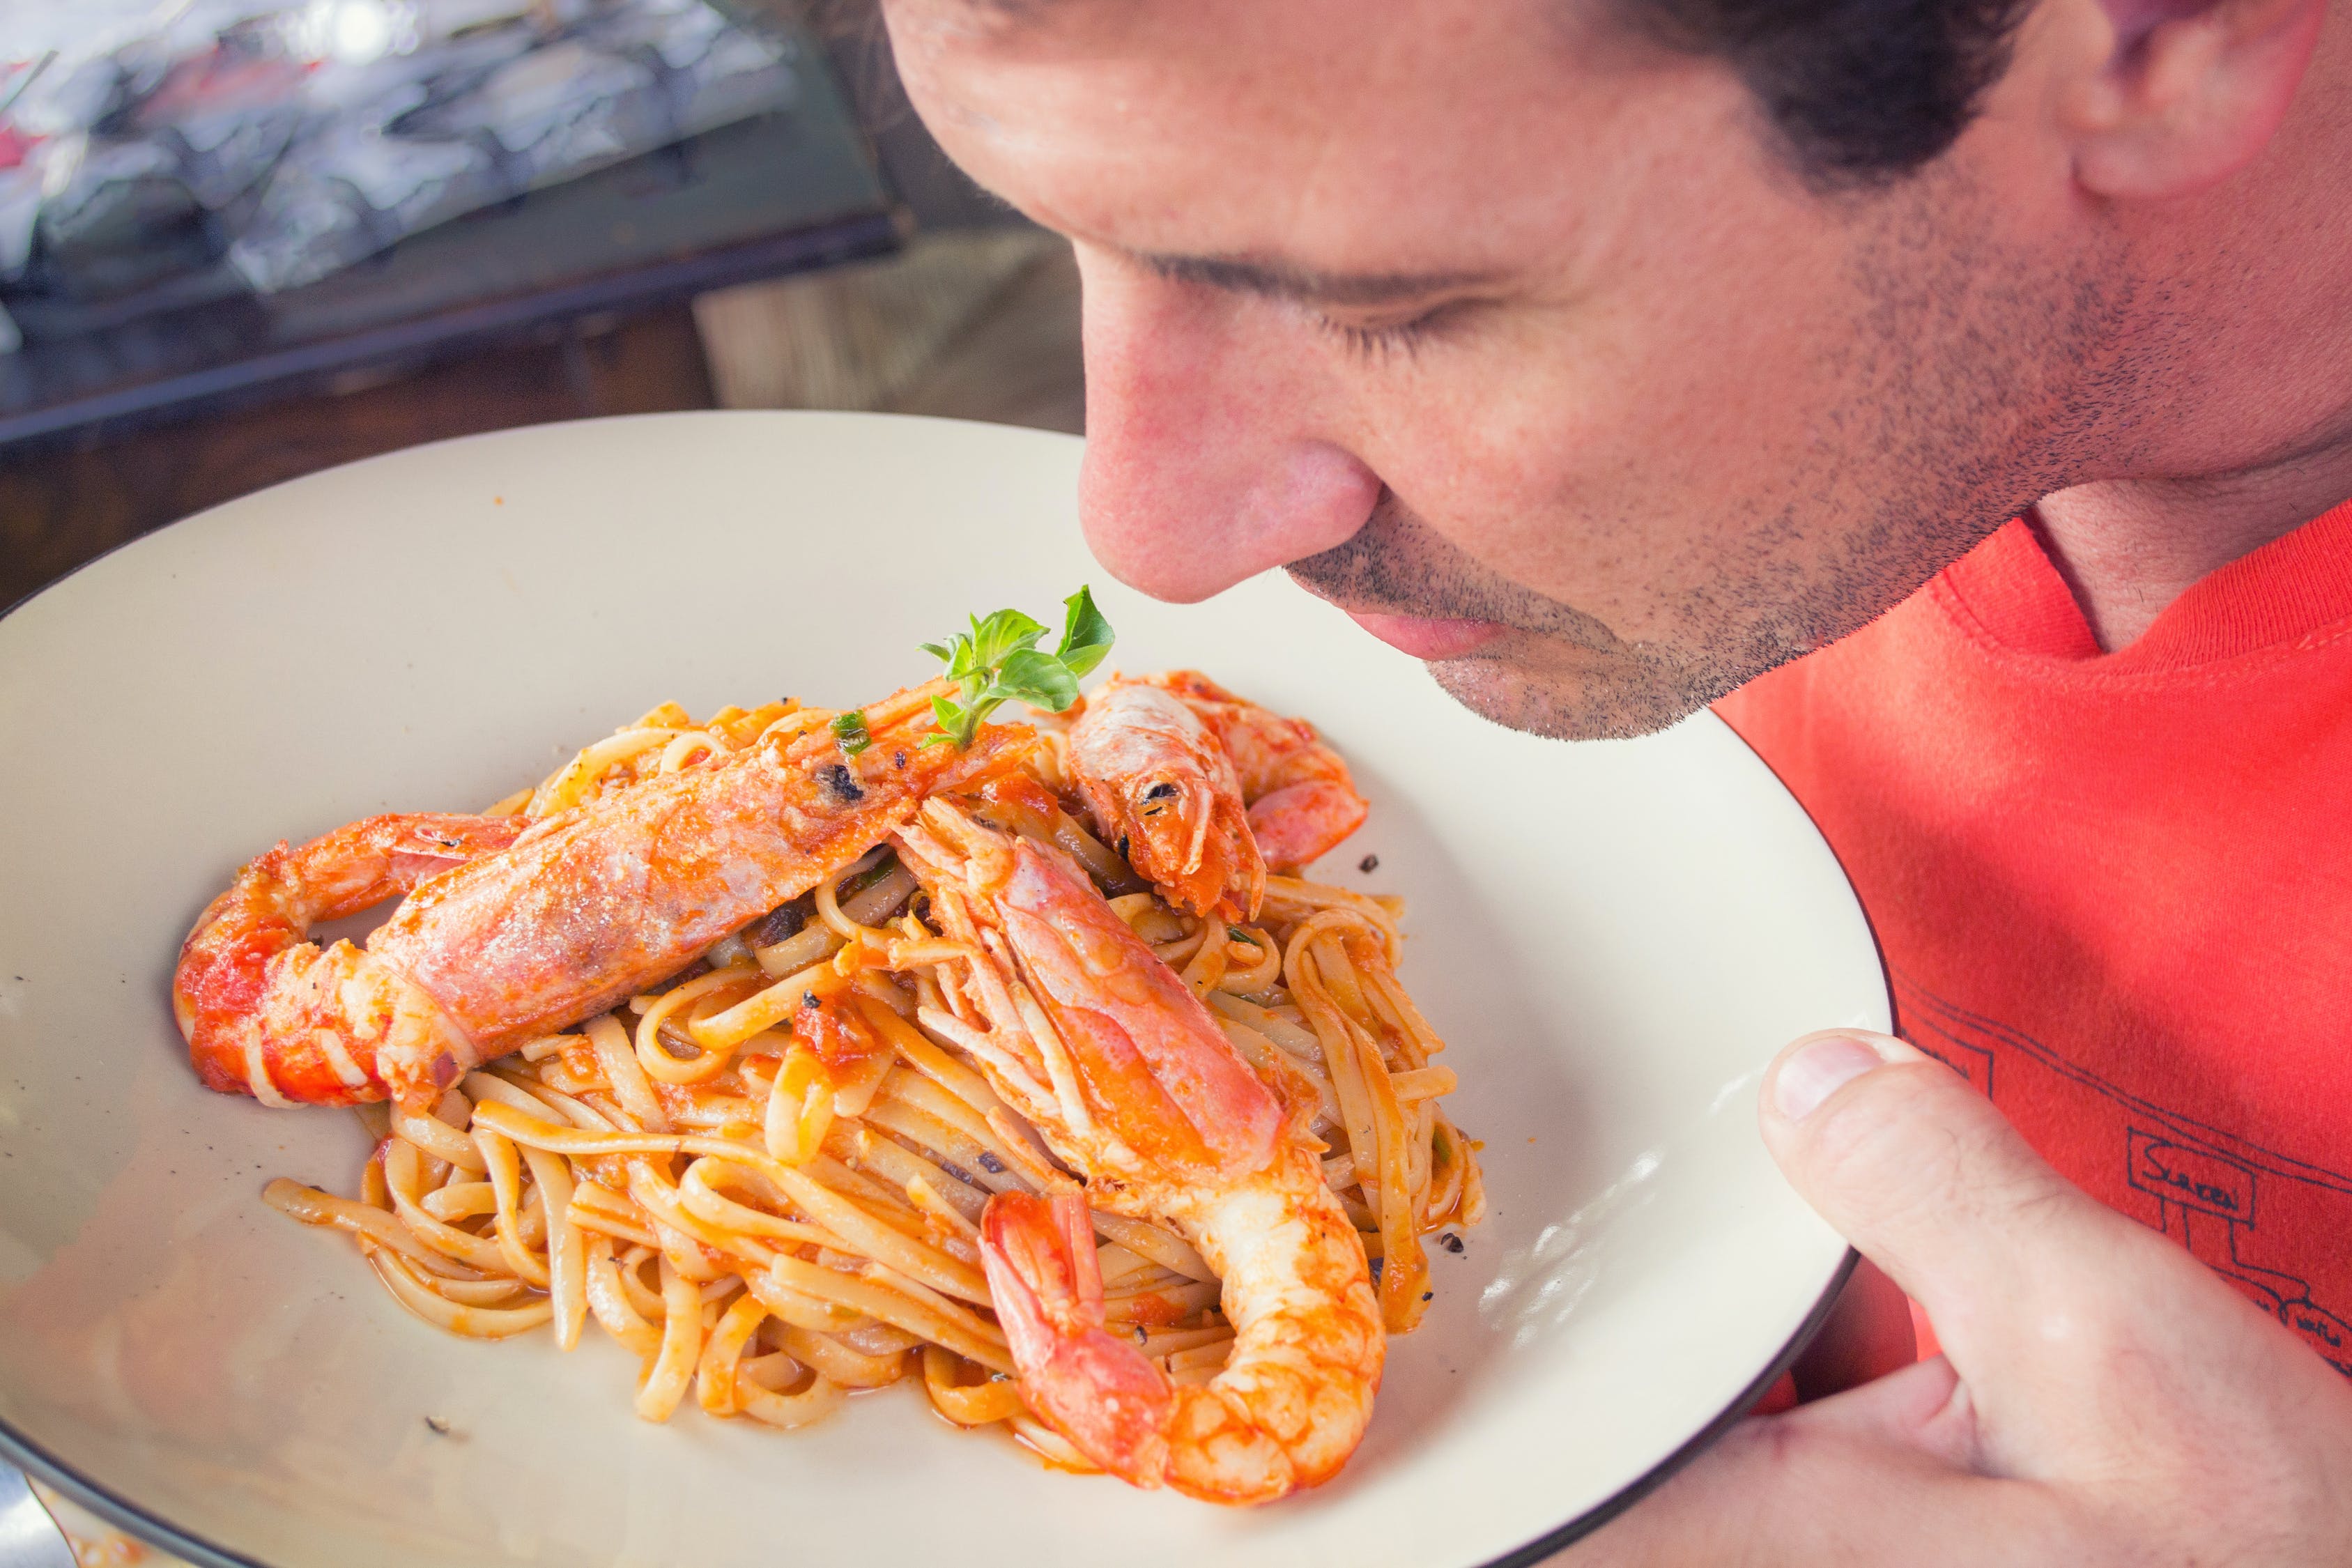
column 1980, row 382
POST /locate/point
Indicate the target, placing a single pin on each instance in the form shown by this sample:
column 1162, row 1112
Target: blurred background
column 244, row 239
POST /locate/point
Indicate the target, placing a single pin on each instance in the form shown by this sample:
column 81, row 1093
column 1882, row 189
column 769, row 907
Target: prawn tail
column 266, row 1012
column 1096, row 1389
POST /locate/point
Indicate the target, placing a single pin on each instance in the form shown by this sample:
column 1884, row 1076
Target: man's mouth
column 1425, row 639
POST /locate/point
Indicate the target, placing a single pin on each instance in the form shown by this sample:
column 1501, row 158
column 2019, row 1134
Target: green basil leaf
column 1087, row 636
column 1000, row 635
column 997, row 661
column 952, row 720
column 1037, row 679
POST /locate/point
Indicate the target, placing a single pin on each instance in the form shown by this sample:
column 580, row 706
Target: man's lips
column 1428, row 639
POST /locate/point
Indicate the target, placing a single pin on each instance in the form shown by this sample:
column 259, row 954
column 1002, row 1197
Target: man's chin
column 1616, row 701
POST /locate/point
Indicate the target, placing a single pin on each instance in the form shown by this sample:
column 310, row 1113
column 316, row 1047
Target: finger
column 1923, row 1176
column 1923, row 1406
column 1822, row 1488
column 2090, row 1347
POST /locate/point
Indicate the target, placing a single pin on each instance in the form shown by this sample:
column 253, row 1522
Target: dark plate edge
column 36, row 1462
column 1650, row 1481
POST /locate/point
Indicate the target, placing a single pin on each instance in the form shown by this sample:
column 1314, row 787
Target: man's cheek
column 1526, row 447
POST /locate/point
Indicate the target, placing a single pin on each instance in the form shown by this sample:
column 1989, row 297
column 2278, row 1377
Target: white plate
column 1615, row 937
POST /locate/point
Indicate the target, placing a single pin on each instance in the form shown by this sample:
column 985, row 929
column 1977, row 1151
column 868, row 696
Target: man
column 1609, row 354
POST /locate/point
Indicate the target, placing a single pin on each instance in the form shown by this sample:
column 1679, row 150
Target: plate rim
column 36, row 1462
column 29, row 1457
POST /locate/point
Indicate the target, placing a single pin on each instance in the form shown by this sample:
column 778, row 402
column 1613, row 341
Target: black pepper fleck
column 808, row 999
column 1368, row 864
column 1451, row 1242
column 897, row 759
column 1428, row 1295
column 990, row 1163
column 1161, row 791
column 840, row 783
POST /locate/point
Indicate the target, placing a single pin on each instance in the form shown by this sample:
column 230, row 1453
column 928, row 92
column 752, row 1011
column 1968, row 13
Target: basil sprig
column 998, row 661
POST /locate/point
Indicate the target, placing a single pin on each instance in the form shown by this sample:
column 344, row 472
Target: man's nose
column 1207, row 460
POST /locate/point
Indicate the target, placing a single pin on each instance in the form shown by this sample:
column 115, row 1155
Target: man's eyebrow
column 1306, row 286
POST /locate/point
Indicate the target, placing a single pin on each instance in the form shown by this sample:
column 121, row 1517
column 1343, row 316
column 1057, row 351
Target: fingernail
column 1819, row 1070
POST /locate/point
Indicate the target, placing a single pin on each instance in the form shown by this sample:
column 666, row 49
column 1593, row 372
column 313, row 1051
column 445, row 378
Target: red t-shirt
column 2114, row 891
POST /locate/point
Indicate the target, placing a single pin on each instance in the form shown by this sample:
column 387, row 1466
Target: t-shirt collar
column 2297, row 586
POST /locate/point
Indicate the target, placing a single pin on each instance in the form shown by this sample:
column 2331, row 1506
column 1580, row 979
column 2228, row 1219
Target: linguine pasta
column 764, row 1178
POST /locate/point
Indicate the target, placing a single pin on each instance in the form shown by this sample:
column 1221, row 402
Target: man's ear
column 2189, row 92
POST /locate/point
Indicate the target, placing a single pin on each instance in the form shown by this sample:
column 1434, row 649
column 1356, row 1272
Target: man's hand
column 2103, row 1396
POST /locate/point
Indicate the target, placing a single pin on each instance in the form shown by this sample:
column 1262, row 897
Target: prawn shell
column 636, row 884
column 1150, row 1053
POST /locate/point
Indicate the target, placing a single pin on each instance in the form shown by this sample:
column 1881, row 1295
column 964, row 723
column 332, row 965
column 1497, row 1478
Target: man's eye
column 1388, row 339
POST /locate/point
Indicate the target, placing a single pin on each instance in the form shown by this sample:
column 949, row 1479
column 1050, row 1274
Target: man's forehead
column 1268, row 145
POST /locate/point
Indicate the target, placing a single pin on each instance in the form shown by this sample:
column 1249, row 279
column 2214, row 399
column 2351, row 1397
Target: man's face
column 1516, row 339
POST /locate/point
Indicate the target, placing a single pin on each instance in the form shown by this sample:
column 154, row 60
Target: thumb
column 1931, row 1184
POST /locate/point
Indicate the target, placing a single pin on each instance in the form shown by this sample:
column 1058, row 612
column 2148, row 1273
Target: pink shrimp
column 1129, row 1078
column 1177, row 766
column 1157, row 780
column 509, row 930
column 1302, row 802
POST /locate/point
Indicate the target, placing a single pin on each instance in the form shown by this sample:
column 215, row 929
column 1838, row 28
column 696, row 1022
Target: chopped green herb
column 868, row 877
column 1240, row 935
column 997, row 661
column 850, row 730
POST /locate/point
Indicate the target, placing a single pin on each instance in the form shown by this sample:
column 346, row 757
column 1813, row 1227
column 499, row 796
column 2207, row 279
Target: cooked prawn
column 1159, row 780
column 1180, row 792
column 511, row 929
column 1129, row 1078
column 1302, row 802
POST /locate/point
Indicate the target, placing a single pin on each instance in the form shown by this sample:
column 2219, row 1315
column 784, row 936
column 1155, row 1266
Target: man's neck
column 2127, row 549
column 2240, row 427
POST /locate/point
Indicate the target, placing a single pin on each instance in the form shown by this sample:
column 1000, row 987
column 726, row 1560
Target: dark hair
column 1862, row 92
